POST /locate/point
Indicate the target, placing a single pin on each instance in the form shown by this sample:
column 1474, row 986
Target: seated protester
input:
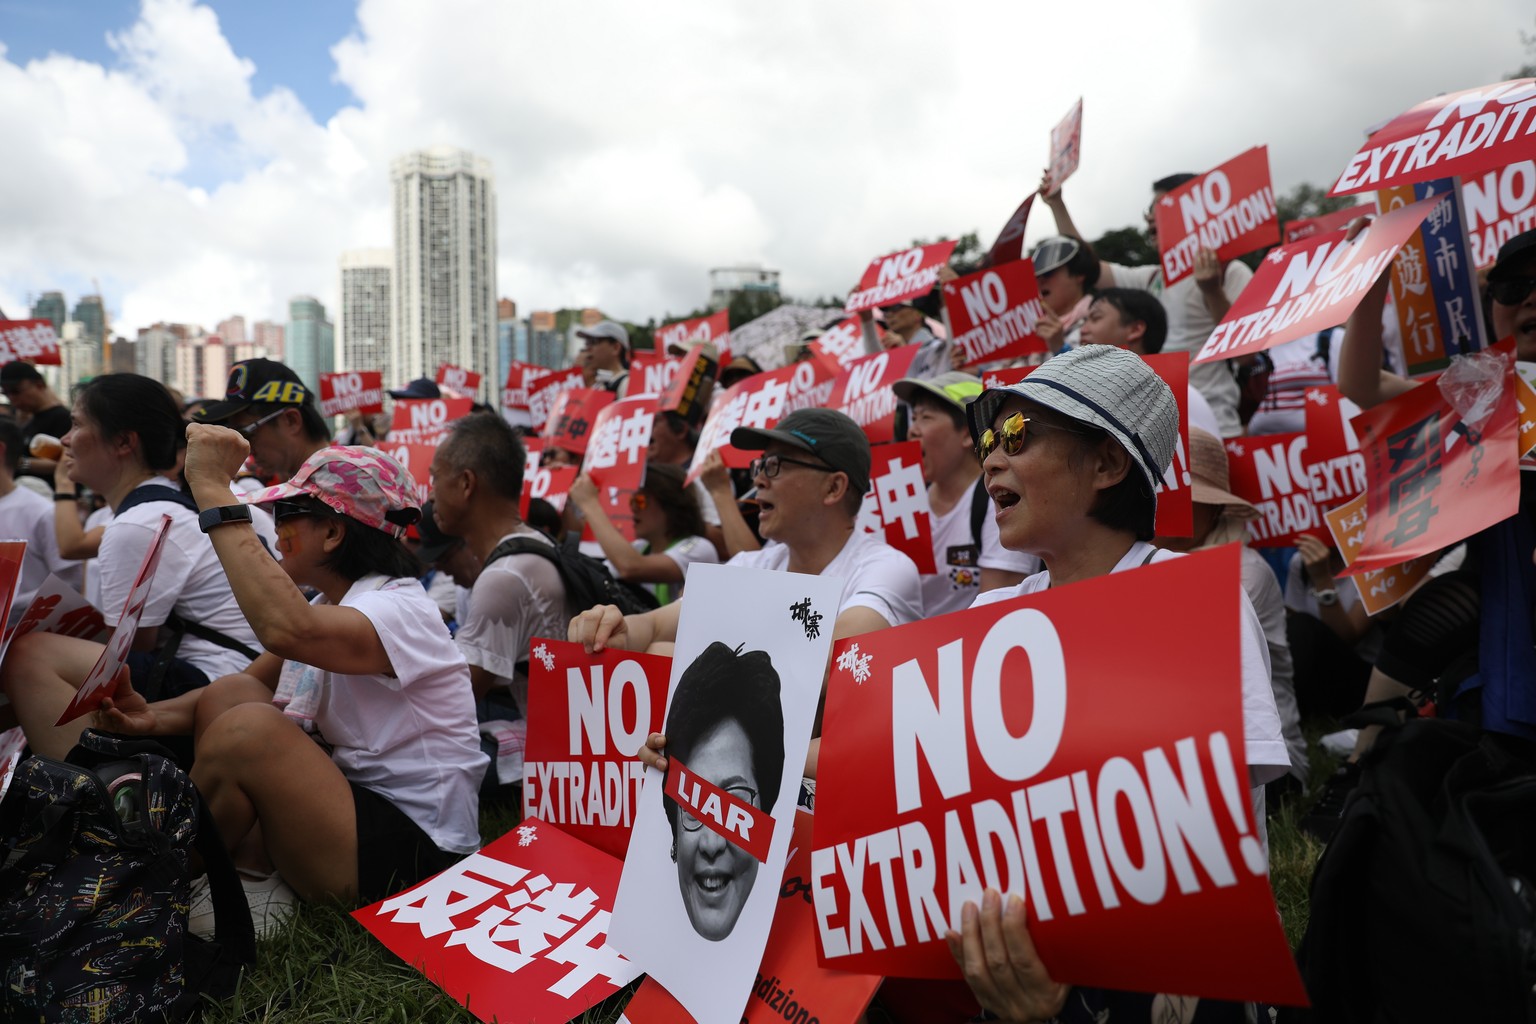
column 1295, row 366
column 27, row 516
column 449, row 558
column 906, row 323
column 124, row 437
column 383, row 793
column 1333, row 641
column 673, row 442
column 668, row 531
column 966, row 549
column 1067, row 272
column 1072, row 455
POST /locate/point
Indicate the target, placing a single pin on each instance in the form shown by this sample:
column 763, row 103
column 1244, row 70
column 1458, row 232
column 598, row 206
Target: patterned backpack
column 95, row 889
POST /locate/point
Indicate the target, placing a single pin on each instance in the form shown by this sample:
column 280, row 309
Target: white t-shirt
column 684, row 552
column 1263, row 592
column 411, row 737
column 875, row 575
column 1200, row 413
column 189, row 581
column 958, row 580
column 26, row 515
column 1268, row 758
column 101, row 517
column 515, row 599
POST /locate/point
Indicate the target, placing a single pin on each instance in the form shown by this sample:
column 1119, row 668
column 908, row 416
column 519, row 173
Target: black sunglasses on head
column 289, row 509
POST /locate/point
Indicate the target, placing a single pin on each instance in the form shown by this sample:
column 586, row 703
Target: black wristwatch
column 222, row 514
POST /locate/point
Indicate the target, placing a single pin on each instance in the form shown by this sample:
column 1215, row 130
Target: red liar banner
column 896, row 505
column 547, row 483
column 1499, row 205
column 544, row 391
column 840, row 344
column 1461, row 134
column 32, row 340
column 1335, row 467
column 426, row 420
column 863, row 391
column 1009, row 747
column 587, row 716
column 574, row 417
column 1338, row 220
column 517, row 931
column 1230, row 210
column 362, row 390
column 899, row 276
column 993, row 313
column 1434, row 478
column 615, row 458
column 1270, row 470
column 1010, row 241
column 715, row 329
column 457, row 378
column 1311, row 285
column 1175, row 495
column 1066, row 143
column 761, row 401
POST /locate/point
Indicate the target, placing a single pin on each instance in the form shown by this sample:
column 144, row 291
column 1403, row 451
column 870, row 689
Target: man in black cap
column 46, row 413
column 267, row 403
column 420, row 388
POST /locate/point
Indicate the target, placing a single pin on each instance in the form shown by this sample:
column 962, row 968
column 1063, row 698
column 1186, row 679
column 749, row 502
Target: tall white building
column 445, row 266
column 362, row 340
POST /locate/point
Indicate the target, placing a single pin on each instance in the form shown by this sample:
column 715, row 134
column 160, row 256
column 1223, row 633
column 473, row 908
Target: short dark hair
column 18, row 370
column 10, row 436
column 365, row 550
column 1173, row 181
column 1085, row 264
column 1137, row 305
column 677, row 500
column 723, row 685
column 679, row 425
column 486, row 444
column 128, row 403
column 1127, row 505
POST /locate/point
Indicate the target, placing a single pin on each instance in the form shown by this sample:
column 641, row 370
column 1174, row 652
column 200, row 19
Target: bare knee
column 228, row 692
column 248, row 733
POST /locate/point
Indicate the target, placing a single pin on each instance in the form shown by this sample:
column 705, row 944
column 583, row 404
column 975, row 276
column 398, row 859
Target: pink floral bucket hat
column 363, row 483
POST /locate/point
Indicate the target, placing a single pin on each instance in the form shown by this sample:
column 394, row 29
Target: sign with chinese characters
column 993, row 313
column 689, row 392
column 1434, row 282
column 1066, row 146
column 545, row 391
column 1229, row 210
column 899, row 276
column 863, row 390
column 573, row 418
column 761, row 401
column 700, row 885
column 32, row 340
column 548, row 483
column 896, row 504
column 517, row 931
column 615, row 458
column 362, row 390
column 1010, row 747
column 839, row 345
column 1270, row 471
column 1379, row 589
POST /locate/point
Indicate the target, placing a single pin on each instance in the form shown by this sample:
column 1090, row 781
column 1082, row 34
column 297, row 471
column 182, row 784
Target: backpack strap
column 980, row 500
column 521, row 546
column 166, row 653
column 142, row 495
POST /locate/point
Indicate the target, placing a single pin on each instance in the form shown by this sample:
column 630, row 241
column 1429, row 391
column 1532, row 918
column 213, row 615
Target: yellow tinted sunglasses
column 1010, row 435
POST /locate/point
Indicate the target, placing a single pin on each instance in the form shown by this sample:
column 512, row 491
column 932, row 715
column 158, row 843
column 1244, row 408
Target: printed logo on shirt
column 963, row 555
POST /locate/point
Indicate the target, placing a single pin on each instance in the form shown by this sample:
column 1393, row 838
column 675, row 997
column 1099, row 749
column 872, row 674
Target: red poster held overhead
column 761, row 401
column 31, row 340
column 901, row 275
column 1010, row 241
column 714, row 329
column 615, row 458
column 863, row 391
column 362, row 390
column 1230, row 210
column 1066, row 145
column 1338, row 220
column 1499, row 204
column 1175, row 494
column 457, row 379
column 652, row 374
column 993, row 313
column 544, row 391
column 1460, row 134
column 896, row 505
column 1010, row 747
column 574, row 416
column 1311, row 285
column 1270, row 470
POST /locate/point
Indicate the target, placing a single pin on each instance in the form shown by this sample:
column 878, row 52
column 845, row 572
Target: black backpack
column 588, row 583
column 95, row 889
column 1423, row 906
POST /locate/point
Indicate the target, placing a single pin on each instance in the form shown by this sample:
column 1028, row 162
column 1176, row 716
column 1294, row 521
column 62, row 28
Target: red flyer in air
column 1066, row 146
column 896, row 505
column 1311, row 285
column 901, row 275
column 545, row 391
column 683, row 335
column 651, row 374
column 863, row 390
column 362, row 390
column 761, row 401
column 1270, row 471
column 102, row 679
column 1461, row 134
column 994, row 312
column 517, row 931
column 574, row 416
column 31, row 340
column 615, row 456
column 457, row 379
column 1013, row 746
column 1010, row 241
column 1230, row 209
column 588, row 715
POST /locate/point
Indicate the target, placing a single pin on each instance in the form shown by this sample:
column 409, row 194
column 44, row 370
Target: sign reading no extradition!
column 1230, row 210
column 362, row 390
column 901, row 275
column 1009, row 747
column 994, row 313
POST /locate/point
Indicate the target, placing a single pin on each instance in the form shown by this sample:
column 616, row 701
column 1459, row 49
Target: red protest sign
column 714, row 329
column 458, row 379
column 899, row 276
column 12, row 553
column 1499, row 204
column 362, row 390
column 749, row 829
column 1230, row 210
column 32, row 340
column 896, row 505
column 426, row 420
column 840, row 344
column 651, row 373
column 56, row 608
column 955, row 759
column 1335, row 467
column 547, row 483
column 993, row 313
column 761, row 401
column 102, row 679
column 1525, row 405
column 1270, row 470
column 1066, row 142
column 1379, row 589
column 587, row 716
column 1175, row 494
column 1338, row 220
column 544, row 391
column 1011, row 375
column 517, row 931
column 1010, row 241
column 789, row 978
column 863, row 390
column 514, row 393
column 692, row 386
column 1311, row 285
column 574, row 416
column 1459, row 134
column 615, row 457
column 1433, row 477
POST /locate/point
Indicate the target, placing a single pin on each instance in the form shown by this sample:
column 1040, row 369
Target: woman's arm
column 716, row 479
column 74, row 541
column 628, row 563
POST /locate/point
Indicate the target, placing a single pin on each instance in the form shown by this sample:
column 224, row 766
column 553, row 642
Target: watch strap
column 221, row 515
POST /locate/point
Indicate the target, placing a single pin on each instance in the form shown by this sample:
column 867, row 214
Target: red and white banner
column 1230, row 210
column 1175, row 495
column 362, row 390
column 32, row 340
column 1525, row 405
column 840, row 344
column 102, row 679
column 574, row 417
column 517, row 931
column 514, row 393
column 1338, row 220
column 544, row 391
column 615, row 458
column 896, row 504
column 651, row 373
column 715, row 329
column 417, row 460
column 1009, row 747
column 692, row 387
column 12, row 554
column 56, row 608
column 901, row 275
column 1460, row 134
column 457, row 379
column 1009, row 245
column 1499, row 204
column 993, row 313
column 1066, row 146
column 1270, row 470
column 1335, row 467
column 1311, row 285
column 588, row 714
column 1433, row 478
column 863, row 390
column 1379, row 589
column 426, row 420
column 547, row 483
column 761, row 401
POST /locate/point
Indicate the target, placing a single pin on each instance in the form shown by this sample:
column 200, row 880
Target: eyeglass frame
column 735, row 791
column 284, row 509
column 983, row 449
column 249, row 430
column 760, row 465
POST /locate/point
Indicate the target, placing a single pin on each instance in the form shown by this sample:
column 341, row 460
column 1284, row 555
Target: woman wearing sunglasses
column 669, row 531
column 346, row 758
column 1072, row 455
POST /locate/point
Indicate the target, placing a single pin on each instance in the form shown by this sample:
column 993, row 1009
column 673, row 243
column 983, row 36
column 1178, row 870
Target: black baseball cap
column 1510, row 253
column 255, row 382
column 421, row 387
column 831, row 436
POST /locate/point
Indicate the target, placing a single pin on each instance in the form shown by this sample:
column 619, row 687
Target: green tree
column 1128, row 246
column 1528, row 70
column 747, row 306
column 1306, row 200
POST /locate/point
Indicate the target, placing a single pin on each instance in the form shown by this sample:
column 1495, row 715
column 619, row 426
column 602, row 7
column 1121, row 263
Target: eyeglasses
column 250, row 428
column 746, row 794
column 1512, row 290
column 291, row 509
column 769, row 466
column 638, row 502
